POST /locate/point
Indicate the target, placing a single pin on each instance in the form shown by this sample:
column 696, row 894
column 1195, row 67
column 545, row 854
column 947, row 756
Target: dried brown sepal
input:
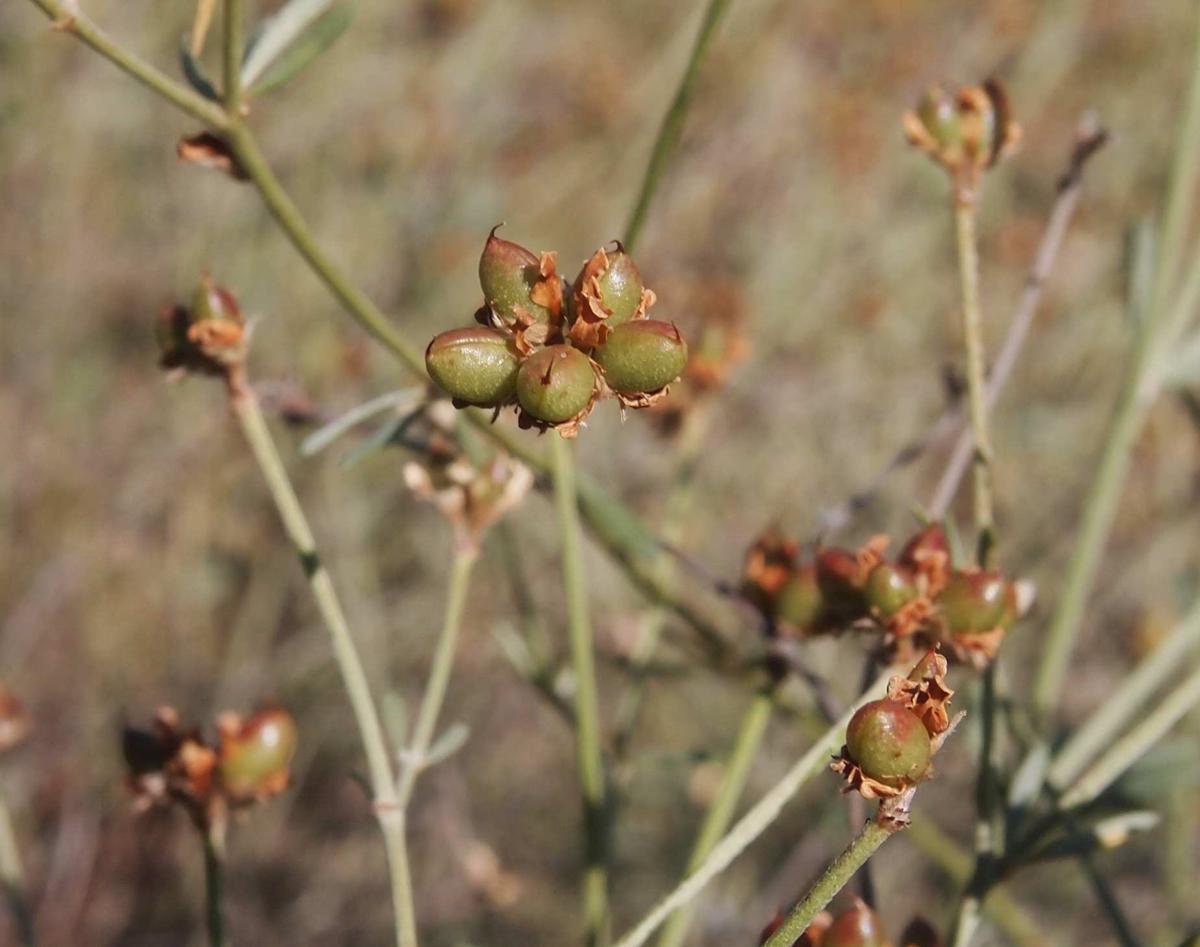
column 925, row 692
column 768, row 565
column 219, row 341
column 642, row 399
column 210, row 151
column 15, row 722
column 858, row 781
column 976, row 648
column 588, row 328
column 869, row 555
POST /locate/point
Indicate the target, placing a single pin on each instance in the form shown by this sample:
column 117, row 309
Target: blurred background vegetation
column 141, row 562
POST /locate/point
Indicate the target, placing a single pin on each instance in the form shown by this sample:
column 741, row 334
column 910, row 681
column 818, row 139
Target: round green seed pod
column 889, row 743
column 642, row 356
column 889, row 588
column 799, row 602
column 556, row 384
column 977, row 602
column 858, row 927
column 621, row 287
column 939, row 114
column 255, row 758
column 507, row 274
column 476, row 365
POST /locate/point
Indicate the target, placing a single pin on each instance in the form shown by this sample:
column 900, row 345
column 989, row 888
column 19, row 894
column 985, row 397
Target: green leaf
column 449, row 743
column 193, row 72
column 401, row 401
column 286, row 43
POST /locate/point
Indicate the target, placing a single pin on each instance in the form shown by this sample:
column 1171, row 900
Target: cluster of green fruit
column 917, row 600
column 554, row 349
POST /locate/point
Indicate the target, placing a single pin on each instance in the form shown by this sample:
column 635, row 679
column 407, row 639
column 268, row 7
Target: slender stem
column 214, row 874
column 836, row 876
column 1138, row 392
column 972, row 326
column 672, row 123
column 69, row 19
column 587, row 711
column 232, row 58
column 1130, row 748
column 750, row 826
column 720, row 813
column 439, row 674
column 1107, row 720
column 356, row 303
column 246, row 409
column 12, row 879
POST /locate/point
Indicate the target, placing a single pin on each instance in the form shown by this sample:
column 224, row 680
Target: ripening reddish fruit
column 977, row 602
column 840, row 583
column 476, row 365
column 799, row 602
column 255, row 757
column 507, row 274
column 858, row 927
column 889, row 743
column 642, row 357
column 889, row 588
column 555, row 384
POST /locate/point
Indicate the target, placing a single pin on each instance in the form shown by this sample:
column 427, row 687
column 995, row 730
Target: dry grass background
column 141, row 562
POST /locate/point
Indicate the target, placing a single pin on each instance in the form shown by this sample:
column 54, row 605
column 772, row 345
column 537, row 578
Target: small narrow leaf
column 193, row 72
column 378, row 439
column 449, row 743
column 324, row 32
column 1029, row 777
column 402, row 401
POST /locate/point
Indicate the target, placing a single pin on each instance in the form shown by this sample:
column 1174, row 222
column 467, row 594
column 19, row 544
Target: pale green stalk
column 439, row 674
column 720, row 813
column 1113, row 763
column 1138, row 392
column 751, row 825
column 1107, row 720
column 383, row 788
column 231, row 58
column 835, row 878
column 587, row 710
column 672, row 123
column 12, row 879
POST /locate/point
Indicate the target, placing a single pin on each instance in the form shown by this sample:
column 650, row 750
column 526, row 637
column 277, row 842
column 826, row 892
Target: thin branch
column 587, row 711
column 214, row 874
column 12, row 879
column 67, row 18
column 231, row 59
column 672, row 123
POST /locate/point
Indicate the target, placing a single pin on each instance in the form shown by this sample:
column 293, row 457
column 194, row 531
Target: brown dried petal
column 860, row 782
column 928, row 695
column 210, row 151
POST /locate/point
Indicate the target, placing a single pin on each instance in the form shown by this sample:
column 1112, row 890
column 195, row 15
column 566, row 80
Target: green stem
column 672, row 123
column 972, row 327
column 439, row 674
column 73, row 21
column 356, row 303
column 214, row 873
column 836, row 877
column 720, row 813
column 12, row 878
column 1138, row 392
column 587, row 712
column 750, row 826
column 1130, row 748
column 232, row 58
column 246, row 409
column 1119, row 708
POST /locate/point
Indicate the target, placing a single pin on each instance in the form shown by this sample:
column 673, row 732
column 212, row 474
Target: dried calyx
column 14, row 720
column 208, row 337
column 553, row 351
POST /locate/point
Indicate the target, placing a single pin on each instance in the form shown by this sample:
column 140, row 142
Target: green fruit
column 939, row 114
column 977, row 602
column 476, row 365
column 211, row 301
column 889, row 588
column 621, row 287
column 858, row 927
column 255, row 758
column 643, row 356
column 799, row 602
column 889, row 743
column 556, row 384
column 508, row 273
